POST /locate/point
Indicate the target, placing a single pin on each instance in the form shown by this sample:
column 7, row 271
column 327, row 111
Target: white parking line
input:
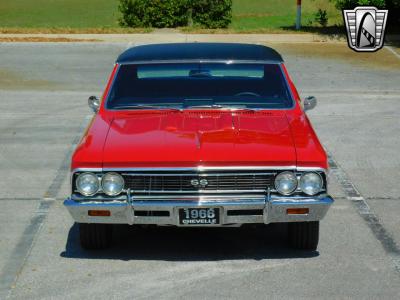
column 393, row 51
column 363, row 209
column 11, row 271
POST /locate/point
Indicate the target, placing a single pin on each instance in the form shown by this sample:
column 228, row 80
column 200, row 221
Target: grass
column 44, row 39
column 259, row 14
column 101, row 16
column 70, row 30
column 59, row 13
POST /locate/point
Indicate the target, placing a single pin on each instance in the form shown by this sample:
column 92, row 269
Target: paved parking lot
column 43, row 112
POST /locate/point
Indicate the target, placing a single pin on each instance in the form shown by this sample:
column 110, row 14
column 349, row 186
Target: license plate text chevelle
column 199, row 216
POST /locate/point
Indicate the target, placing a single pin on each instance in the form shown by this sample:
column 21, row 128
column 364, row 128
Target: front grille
column 170, row 183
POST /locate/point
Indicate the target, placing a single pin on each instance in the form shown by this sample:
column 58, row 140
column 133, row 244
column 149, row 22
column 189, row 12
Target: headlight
column 112, row 184
column 286, row 183
column 87, row 184
column 311, row 183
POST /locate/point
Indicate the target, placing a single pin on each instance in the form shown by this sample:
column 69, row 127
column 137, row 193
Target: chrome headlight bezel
column 302, row 183
column 96, row 184
column 294, row 182
column 106, row 190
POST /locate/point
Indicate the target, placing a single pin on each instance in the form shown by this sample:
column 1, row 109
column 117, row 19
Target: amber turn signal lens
column 297, row 211
column 99, row 213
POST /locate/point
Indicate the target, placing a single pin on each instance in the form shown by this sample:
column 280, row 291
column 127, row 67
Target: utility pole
column 298, row 15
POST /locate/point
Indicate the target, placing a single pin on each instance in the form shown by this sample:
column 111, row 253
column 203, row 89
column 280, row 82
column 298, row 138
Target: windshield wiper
column 218, row 106
column 144, row 106
column 206, row 106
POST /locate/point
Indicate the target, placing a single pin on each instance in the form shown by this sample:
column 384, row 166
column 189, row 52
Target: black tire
column 303, row 235
column 95, row 236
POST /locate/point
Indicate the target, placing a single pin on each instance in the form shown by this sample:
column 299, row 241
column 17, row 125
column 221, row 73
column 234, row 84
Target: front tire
column 95, row 236
column 304, row 235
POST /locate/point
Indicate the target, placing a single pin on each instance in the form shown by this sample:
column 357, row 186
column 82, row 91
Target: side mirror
column 94, row 103
column 309, row 103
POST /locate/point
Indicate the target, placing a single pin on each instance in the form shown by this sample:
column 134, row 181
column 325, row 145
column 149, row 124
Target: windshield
column 185, row 85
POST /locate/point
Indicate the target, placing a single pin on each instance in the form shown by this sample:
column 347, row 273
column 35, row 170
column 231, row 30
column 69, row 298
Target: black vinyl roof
column 199, row 51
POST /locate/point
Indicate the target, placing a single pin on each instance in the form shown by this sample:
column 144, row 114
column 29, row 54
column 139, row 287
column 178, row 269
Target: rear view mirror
column 309, row 103
column 94, row 103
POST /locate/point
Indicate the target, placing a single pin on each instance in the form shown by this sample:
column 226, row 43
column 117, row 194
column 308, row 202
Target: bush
column 321, row 17
column 212, row 13
column 350, row 4
column 153, row 13
column 175, row 13
column 392, row 5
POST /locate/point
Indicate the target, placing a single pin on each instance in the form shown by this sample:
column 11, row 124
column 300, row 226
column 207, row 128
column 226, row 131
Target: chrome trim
column 106, row 99
column 130, row 212
column 103, row 103
column 86, row 170
column 194, row 197
column 224, row 109
column 198, row 191
column 205, row 168
column 196, row 174
column 312, row 169
column 318, row 207
column 192, row 182
column 273, row 208
column 98, row 197
column 195, row 61
column 294, row 102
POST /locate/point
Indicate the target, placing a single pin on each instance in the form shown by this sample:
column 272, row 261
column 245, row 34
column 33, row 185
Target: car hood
column 198, row 138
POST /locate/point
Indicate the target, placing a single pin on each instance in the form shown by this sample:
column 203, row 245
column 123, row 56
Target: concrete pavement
column 43, row 92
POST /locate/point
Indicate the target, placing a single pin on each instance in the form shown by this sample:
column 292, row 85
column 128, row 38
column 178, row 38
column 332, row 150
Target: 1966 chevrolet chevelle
column 199, row 134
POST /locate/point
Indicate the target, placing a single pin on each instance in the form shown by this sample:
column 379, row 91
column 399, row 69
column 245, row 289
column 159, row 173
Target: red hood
column 193, row 138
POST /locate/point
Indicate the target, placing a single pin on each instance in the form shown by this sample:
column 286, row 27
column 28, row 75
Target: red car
column 199, row 134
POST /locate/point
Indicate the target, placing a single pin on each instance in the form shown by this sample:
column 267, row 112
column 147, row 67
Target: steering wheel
column 247, row 94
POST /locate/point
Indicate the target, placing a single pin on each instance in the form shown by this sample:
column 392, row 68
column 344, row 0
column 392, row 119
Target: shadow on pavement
column 190, row 244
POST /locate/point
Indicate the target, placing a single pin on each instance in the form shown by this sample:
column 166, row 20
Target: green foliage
column 392, row 5
column 153, row 13
column 350, row 4
column 212, row 13
column 394, row 13
column 175, row 13
column 321, row 17
column 58, row 14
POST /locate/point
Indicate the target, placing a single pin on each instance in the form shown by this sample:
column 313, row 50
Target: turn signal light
column 297, row 211
column 99, row 213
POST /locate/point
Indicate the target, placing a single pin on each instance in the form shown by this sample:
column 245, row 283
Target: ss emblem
column 196, row 182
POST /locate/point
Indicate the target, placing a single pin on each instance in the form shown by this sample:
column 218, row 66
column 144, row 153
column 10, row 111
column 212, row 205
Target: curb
column 146, row 38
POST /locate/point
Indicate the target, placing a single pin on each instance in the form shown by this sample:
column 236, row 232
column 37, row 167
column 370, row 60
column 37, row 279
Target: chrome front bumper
column 234, row 210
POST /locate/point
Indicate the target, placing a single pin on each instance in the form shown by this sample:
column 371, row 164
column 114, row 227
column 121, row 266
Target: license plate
column 199, row 216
